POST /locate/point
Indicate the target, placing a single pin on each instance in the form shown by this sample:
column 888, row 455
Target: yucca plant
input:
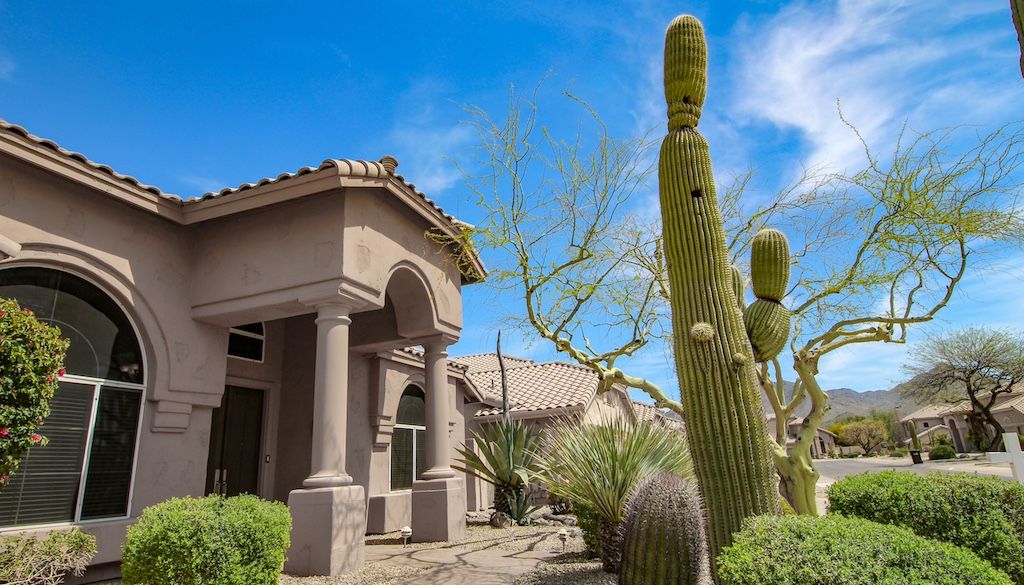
column 505, row 457
column 599, row 465
column 521, row 508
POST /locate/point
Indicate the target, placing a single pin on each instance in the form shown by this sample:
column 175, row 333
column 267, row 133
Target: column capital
column 333, row 312
column 438, row 343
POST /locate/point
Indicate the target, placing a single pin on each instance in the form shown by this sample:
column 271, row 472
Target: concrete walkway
column 494, row 562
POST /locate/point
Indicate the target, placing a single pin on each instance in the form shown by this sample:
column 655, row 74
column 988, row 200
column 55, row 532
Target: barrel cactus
column 665, row 539
column 724, row 418
column 766, row 320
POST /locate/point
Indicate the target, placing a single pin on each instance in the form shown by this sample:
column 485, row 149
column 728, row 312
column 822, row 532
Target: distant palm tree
column 598, row 465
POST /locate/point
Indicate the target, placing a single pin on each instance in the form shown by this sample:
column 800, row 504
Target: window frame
column 391, row 456
column 97, row 384
column 262, row 339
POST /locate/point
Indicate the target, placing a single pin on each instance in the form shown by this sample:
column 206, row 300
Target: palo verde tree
column 877, row 249
column 976, row 365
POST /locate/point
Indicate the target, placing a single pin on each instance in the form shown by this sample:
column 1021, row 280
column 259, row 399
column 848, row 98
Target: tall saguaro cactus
column 724, row 418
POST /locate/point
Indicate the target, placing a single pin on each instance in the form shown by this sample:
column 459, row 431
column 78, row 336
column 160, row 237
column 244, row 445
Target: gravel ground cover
column 572, row 569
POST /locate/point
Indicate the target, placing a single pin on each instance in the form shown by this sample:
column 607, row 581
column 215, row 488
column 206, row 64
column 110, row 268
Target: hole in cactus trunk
column 696, row 193
column 686, row 99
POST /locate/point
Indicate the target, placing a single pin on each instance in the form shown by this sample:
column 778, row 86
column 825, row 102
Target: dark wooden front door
column 235, row 435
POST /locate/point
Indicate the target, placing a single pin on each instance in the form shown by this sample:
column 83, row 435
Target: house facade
column 824, row 441
column 253, row 340
column 950, row 420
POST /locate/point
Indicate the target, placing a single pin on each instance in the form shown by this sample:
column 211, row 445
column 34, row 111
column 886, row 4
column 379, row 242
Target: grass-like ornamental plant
column 724, row 418
column 31, row 359
column 982, row 514
column 840, row 550
column 665, row 538
column 505, row 456
column 207, row 541
column 33, row 560
column 599, row 465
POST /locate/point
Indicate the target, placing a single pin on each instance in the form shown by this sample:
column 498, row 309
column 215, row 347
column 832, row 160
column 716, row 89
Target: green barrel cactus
column 724, row 418
column 766, row 320
column 665, row 539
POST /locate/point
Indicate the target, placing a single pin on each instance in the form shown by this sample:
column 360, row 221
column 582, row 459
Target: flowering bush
column 31, row 359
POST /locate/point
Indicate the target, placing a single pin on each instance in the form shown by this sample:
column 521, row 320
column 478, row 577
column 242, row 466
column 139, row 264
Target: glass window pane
column 103, row 343
column 401, row 459
column 45, row 487
column 246, row 347
column 108, row 478
column 254, row 328
column 411, row 409
column 421, row 453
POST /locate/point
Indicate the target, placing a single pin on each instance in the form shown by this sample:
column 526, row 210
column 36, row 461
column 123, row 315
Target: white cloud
column 884, row 61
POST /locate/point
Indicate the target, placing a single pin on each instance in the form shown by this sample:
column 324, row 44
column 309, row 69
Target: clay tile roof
column 929, row 411
column 485, row 362
column 351, row 168
column 82, row 159
column 539, row 387
column 651, row 413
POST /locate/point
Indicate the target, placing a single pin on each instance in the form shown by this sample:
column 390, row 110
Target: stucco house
column 951, row 420
column 824, row 440
column 539, row 394
column 251, row 340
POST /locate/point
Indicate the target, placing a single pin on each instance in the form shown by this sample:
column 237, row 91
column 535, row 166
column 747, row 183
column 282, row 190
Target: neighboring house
column 249, row 340
column 951, row 420
column 539, row 394
column 659, row 416
column 824, row 440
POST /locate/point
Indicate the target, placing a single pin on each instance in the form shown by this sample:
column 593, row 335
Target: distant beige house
column 824, row 440
column 542, row 393
column 250, row 340
column 951, row 420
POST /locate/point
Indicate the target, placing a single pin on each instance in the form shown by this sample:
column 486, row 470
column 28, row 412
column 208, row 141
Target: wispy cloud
column 935, row 64
column 7, row 67
column 423, row 138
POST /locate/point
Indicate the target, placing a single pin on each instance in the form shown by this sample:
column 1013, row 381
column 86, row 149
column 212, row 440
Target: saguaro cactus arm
column 725, row 422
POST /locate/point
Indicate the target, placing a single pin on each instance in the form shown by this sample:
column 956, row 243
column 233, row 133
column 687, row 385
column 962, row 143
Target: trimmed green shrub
column 30, row 560
column 982, row 514
column 207, row 541
column 31, row 359
column 839, row 550
column 589, row 523
column 940, row 452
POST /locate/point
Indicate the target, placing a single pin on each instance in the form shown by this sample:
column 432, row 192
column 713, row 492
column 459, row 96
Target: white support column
column 330, row 398
column 435, row 360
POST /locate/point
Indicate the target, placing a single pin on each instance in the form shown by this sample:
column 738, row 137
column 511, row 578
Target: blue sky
column 194, row 97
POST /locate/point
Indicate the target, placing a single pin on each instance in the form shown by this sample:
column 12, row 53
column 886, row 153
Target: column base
column 328, row 531
column 438, row 510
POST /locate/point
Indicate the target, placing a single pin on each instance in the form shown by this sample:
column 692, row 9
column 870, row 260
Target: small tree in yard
column 31, row 359
column 976, row 365
column 866, row 434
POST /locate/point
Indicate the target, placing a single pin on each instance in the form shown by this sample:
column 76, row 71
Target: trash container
column 916, row 456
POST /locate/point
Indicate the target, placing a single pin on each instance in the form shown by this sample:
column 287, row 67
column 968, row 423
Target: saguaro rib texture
column 726, row 427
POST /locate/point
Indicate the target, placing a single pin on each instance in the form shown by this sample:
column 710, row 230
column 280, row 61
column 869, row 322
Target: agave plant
column 505, row 457
column 521, row 508
column 599, row 465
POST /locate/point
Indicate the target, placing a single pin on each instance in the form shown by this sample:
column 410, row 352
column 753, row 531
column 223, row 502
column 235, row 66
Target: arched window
column 85, row 472
column 408, row 444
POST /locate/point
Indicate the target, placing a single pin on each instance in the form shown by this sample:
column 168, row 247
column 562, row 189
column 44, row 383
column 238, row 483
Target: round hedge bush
column 940, row 452
column 983, row 514
column 840, row 550
column 31, row 359
column 207, row 541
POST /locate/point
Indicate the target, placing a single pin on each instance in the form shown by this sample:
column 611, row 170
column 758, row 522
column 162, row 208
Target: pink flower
column 36, row 439
column 62, row 372
column 39, row 420
column 27, row 310
column 2, row 313
column 4, row 432
column 4, row 478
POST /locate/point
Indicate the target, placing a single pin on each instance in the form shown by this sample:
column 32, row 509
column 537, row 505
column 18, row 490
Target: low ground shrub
column 940, row 452
column 30, row 560
column 207, row 541
column 899, row 452
column 589, row 523
column 840, row 550
column 983, row 514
